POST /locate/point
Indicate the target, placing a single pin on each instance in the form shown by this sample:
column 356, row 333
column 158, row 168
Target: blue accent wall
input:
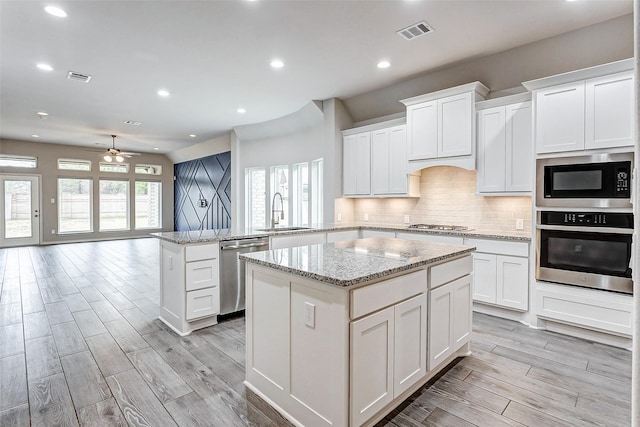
column 208, row 179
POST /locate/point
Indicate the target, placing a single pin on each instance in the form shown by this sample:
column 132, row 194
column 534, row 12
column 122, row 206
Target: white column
column 635, row 382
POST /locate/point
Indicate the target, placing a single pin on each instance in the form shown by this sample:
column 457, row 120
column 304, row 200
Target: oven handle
column 609, row 230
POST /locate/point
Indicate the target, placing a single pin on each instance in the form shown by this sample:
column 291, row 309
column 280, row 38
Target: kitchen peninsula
column 340, row 334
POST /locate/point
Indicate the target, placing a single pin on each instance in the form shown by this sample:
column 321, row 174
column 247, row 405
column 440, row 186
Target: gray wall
column 48, row 155
column 594, row 45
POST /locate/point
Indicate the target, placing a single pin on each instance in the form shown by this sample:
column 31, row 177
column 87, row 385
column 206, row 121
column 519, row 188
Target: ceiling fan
column 114, row 154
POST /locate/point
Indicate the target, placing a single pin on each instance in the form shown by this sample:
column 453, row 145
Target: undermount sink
column 283, row 229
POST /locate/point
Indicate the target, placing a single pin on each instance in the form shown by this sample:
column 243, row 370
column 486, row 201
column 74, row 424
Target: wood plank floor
column 79, row 346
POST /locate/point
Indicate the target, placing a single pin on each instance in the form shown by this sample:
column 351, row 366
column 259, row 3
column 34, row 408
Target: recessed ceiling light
column 56, row 11
column 45, row 67
column 35, row 136
column 277, row 63
column 241, row 110
column 155, row 148
column 42, row 114
column 163, row 93
column 192, row 135
column 384, row 64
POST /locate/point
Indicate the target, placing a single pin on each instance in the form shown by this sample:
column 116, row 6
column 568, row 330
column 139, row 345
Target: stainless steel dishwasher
column 232, row 276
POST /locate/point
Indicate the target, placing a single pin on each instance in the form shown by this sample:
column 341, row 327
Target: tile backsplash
column 448, row 196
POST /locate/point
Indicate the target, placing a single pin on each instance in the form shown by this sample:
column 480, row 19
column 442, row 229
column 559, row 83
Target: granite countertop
column 355, row 262
column 212, row 236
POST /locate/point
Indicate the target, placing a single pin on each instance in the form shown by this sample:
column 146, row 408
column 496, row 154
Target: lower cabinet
column 450, row 319
column 297, row 239
column 501, row 273
column 388, row 355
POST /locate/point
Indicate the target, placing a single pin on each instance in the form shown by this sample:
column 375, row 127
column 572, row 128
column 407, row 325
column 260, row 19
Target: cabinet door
column 398, row 181
column 371, row 367
column 410, row 355
column 456, row 125
column 462, row 300
column 440, row 325
column 380, row 165
column 512, row 282
column 298, row 239
column 349, row 165
column 492, row 154
column 203, row 302
column 201, row 274
column 422, row 130
column 339, row 236
column 363, row 163
column 519, row 152
column 484, row 277
column 560, row 118
column 609, row 111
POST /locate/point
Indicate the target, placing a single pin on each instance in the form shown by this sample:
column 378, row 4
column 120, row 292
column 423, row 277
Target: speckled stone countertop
column 212, row 236
column 355, row 262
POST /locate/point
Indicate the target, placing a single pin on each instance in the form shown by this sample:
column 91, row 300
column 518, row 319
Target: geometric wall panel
column 202, row 191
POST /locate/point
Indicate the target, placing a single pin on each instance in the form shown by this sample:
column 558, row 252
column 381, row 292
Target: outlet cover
column 519, row 224
column 366, row 217
column 310, row 314
column 339, row 216
column 407, row 219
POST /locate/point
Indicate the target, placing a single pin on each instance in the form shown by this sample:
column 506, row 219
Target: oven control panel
column 587, row 219
column 622, row 181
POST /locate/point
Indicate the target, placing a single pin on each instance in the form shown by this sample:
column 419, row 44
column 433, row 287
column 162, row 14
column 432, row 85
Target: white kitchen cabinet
column 609, row 111
column 371, row 364
column 501, row 273
column 297, row 239
column 410, row 343
column 357, row 164
column 384, row 147
column 339, row 236
column 449, row 319
column 378, row 233
column 585, row 109
column 189, row 286
column 505, row 163
column 427, row 237
column 441, row 127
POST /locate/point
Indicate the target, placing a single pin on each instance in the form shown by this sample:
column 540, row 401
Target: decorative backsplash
column 203, row 193
column 448, row 196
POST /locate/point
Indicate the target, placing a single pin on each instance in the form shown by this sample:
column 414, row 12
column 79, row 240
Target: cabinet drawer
column 339, row 236
column 426, row 237
column 383, row 294
column 200, row 252
column 201, row 274
column 499, row 247
column 203, row 302
column 448, row 271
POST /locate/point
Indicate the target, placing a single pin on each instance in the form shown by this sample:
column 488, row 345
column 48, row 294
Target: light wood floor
column 79, row 346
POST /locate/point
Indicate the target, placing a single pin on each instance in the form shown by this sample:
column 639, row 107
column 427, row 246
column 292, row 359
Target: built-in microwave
column 594, row 181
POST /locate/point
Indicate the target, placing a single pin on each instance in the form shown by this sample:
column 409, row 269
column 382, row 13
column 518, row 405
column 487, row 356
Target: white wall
column 207, row 148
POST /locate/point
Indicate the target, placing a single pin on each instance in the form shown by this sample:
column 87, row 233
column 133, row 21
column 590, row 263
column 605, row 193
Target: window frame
column 154, row 181
column 9, row 157
column 91, row 207
column 78, row 161
column 100, row 164
column 158, row 169
column 249, row 196
column 128, row 204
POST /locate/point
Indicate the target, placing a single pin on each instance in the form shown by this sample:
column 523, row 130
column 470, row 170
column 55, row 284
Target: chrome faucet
column 274, row 219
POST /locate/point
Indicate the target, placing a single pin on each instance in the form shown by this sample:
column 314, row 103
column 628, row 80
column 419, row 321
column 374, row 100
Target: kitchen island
column 340, row 334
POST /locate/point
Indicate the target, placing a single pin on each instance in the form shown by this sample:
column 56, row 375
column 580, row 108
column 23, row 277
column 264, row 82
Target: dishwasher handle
column 249, row 245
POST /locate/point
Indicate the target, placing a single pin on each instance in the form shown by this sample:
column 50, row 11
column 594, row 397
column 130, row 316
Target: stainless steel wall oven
column 590, row 249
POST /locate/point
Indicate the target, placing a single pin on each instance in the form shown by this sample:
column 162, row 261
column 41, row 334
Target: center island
column 340, row 334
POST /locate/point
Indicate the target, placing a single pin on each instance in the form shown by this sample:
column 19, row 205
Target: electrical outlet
column 519, row 224
column 310, row 315
column 339, row 216
column 366, row 217
column 407, row 219
column 53, row 201
column 53, row 231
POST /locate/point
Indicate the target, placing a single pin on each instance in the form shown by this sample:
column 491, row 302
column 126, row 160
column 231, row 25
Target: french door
column 19, row 210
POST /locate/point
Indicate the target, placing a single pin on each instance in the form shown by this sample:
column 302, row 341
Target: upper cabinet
column 584, row 110
column 505, row 152
column 375, row 161
column 441, row 127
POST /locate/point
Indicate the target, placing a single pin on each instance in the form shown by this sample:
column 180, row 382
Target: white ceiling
column 213, row 57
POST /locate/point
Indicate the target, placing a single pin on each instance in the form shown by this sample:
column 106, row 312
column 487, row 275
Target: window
column 317, row 191
column 74, row 205
column 114, row 205
column 74, row 165
column 280, row 184
column 255, row 193
column 114, row 167
column 9, row 161
column 149, row 169
column 300, row 189
column 148, row 210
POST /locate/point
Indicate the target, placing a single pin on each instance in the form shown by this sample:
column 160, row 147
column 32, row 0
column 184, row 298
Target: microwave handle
column 633, row 186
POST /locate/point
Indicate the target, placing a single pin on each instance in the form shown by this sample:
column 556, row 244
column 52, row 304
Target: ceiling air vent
column 133, row 123
column 415, row 30
column 72, row 75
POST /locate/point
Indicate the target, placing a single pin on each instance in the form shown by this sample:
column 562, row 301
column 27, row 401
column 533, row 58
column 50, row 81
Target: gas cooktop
column 438, row 227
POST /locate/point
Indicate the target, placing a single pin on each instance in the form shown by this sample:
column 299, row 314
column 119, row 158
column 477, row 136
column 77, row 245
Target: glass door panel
column 20, row 213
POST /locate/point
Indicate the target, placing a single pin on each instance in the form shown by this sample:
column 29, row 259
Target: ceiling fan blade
column 128, row 154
